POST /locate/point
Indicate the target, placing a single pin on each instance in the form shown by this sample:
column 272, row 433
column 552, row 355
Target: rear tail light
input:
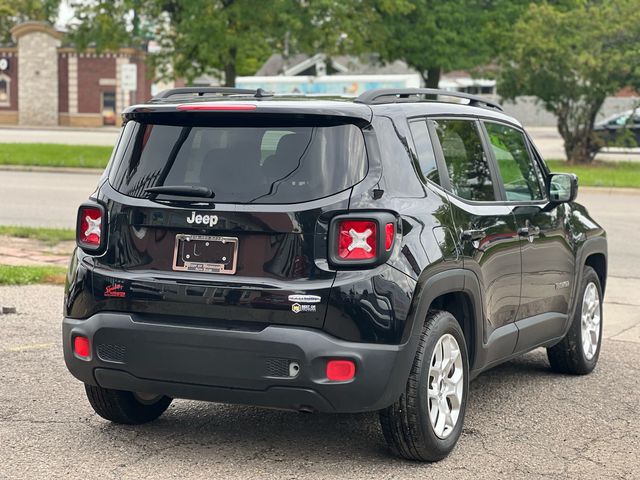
column 341, row 370
column 362, row 240
column 390, row 232
column 90, row 227
column 81, row 347
column 357, row 239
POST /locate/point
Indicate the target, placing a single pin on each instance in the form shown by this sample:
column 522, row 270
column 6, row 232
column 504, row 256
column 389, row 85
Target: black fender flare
column 432, row 285
column 589, row 247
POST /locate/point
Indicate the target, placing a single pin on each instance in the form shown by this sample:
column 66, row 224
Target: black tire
column 568, row 356
column 405, row 424
column 124, row 407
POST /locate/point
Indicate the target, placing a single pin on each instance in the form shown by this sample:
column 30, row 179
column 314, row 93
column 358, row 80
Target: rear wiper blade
column 182, row 190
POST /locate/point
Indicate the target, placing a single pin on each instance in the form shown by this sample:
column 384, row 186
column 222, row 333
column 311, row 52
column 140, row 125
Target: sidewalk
column 26, row 251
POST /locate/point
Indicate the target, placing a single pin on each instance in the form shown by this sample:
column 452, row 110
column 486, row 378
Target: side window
column 465, row 158
column 519, row 175
column 424, row 149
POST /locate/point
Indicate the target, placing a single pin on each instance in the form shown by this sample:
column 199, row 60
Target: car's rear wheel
column 126, row 407
column 579, row 350
column 426, row 421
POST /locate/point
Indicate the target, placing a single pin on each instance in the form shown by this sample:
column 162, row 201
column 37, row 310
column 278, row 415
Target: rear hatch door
column 237, row 234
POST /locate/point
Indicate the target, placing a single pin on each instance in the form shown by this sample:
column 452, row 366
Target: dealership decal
column 297, row 308
column 115, row 290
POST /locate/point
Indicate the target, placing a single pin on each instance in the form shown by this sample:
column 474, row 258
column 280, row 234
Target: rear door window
column 252, row 164
column 465, row 158
column 517, row 169
column 424, row 150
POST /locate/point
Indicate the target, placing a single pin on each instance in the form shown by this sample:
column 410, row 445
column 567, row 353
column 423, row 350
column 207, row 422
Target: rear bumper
column 248, row 367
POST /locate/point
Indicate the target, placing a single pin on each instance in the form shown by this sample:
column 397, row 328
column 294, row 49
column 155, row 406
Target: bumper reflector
column 81, row 347
column 341, row 370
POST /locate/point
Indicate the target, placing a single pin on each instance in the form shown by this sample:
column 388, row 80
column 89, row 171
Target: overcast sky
column 64, row 14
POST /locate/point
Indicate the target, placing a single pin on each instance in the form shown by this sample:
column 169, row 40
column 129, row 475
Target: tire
column 573, row 355
column 125, row 407
column 406, row 425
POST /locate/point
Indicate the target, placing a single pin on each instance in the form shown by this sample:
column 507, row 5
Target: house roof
column 342, row 64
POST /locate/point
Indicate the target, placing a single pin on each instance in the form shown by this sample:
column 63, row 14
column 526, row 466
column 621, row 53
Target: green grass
column 50, row 236
column 23, row 275
column 602, row 174
column 54, row 155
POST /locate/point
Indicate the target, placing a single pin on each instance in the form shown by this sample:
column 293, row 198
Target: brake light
column 389, row 231
column 357, row 240
column 90, row 226
column 192, row 107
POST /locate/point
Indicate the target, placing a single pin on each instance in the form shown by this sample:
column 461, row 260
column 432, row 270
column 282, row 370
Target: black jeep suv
column 327, row 254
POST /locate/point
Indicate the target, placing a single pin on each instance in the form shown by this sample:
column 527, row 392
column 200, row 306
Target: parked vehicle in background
column 620, row 130
column 334, row 255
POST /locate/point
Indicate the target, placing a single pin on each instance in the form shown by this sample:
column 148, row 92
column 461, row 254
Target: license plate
column 205, row 253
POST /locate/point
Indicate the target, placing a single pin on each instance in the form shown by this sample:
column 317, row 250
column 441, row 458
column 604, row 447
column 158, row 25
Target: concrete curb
column 36, row 168
column 58, row 128
column 609, row 190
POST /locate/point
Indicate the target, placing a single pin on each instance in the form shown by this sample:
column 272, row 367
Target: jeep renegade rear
column 331, row 255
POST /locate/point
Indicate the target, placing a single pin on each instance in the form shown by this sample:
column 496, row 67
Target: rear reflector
column 81, row 347
column 188, row 107
column 90, row 226
column 340, row 370
column 356, row 240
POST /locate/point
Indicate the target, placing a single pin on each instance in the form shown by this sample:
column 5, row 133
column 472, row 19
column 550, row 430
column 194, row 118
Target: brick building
column 45, row 83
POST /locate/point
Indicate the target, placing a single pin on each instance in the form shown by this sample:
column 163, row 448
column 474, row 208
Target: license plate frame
column 184, row 262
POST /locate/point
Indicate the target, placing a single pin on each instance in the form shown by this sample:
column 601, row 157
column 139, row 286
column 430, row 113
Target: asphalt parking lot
column 522, row 422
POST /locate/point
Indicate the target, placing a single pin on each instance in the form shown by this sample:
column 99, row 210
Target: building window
column 109, row 108
column 5, row 91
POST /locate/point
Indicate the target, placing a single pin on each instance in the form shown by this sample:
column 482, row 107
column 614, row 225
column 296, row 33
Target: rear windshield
column 253, row 164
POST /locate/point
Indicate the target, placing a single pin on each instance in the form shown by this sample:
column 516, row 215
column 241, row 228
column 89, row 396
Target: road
column 546, row 139
column 44, row 199
column 523, row 421
column 69, row 136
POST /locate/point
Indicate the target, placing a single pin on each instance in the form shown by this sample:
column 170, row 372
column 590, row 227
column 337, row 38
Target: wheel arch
column 458, row 292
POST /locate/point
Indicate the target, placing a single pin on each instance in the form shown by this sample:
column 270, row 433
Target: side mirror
column 562, row 187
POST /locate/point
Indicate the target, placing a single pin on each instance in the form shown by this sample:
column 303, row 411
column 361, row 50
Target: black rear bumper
column 248, row 367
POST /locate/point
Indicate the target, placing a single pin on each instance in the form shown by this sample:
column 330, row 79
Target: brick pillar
column 38, row 79
column 73, row 83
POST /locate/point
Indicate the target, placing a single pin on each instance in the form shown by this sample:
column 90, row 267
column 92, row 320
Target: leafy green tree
column 230, row 36
column 13, row 12
column 435, row 36
column 572, row 59
column 107, row 24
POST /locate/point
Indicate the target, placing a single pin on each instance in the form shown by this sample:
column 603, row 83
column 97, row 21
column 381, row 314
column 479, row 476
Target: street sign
column 129, row 77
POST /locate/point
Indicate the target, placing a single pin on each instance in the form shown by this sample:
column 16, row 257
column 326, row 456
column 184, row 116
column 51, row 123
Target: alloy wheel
column 590, row 321
column 445, row 386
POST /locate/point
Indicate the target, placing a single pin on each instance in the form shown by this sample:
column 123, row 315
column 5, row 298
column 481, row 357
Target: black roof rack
column 202, row 91
column 397, row 95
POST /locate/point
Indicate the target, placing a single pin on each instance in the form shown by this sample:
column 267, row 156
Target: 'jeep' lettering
column 210, row 220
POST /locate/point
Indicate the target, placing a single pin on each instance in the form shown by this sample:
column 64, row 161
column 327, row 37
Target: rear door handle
column 472, row 235
column 530, row 231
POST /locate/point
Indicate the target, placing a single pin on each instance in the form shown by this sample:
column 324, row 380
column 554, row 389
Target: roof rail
column 372, row 97
column 202, row 91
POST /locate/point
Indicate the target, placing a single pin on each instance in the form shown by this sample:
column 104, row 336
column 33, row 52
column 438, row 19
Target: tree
column 572, row 59
column 433, row 36
column 13, row 12
column 229, row 36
